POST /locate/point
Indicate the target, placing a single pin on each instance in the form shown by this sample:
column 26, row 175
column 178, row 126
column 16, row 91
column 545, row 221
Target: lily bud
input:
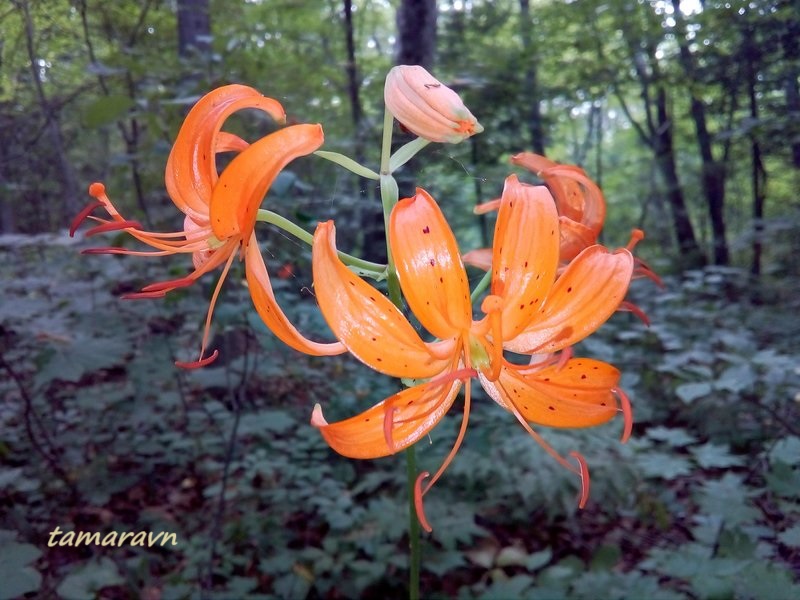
column 427, row 107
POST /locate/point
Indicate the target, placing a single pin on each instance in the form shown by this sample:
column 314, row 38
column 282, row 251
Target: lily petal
column 371, row 327
column 392, row 424
column 271, row 313
column 588, row 292
column 575, row 237
column 191, row 167
column 581, row 394
column 480, row 258
column 429, row 266
column 525, row 255
column 243, row 184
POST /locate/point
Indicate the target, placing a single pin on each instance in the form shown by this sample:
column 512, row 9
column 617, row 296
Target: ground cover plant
column 206, row 426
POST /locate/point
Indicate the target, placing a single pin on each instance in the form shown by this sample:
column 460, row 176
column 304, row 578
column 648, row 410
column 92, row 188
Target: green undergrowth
column 100, row 432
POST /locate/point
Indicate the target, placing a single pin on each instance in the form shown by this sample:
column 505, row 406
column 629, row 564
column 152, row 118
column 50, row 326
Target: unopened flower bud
column 427, row 107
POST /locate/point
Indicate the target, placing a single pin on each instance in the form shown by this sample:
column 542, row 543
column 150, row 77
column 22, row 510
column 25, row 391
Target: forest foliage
column 688, row 116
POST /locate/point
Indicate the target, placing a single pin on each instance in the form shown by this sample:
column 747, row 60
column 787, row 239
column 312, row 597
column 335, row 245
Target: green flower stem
column 413, row 525
column 406, row 153
column 389, row 197
column 348, row 163
column 362, row 267
column 482, row 285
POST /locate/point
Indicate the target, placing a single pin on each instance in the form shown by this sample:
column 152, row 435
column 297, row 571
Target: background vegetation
column 688, row 115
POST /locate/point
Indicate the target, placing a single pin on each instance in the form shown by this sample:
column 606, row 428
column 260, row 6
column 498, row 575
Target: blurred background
column 686, row 112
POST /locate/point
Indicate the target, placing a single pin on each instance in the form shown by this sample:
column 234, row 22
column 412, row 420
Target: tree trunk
column 531, row 83
column 713, row 175
column 416, row 28
column 758, row 174
column 194, row 27
column 353, row 82
column 69, row 184
column 664, row 151
column 790, row 41
column 416, row 45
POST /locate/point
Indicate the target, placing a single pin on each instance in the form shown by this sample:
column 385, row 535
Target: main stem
column 389, row 197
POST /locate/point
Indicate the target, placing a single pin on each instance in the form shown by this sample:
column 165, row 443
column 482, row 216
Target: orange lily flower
column 427, row 107
column 580, row 204
column 220, row 210
column 528, row 311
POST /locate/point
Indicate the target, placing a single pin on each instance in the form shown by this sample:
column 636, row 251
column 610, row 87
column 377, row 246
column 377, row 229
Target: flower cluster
column 550, row 284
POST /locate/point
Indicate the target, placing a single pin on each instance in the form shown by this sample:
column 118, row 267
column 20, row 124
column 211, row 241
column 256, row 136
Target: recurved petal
column 244, row 183
column 583, row 298
column 191, row 168
column 525, row 253
column 480, row 258
column 578, row 395
column 371, row 327
column 271, row 313
column 535, row 163
column 391, row 425
column 575, row 237
column 591, row 198
column 429, row 266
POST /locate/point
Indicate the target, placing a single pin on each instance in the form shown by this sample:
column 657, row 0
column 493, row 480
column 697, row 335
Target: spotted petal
column 429, row 266
column 525, row 253
column 392, row 424
column 579, row 394
column 368, row 324
column 583, row 298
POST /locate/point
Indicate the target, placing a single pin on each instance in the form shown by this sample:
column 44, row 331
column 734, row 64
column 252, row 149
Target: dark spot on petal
column 551, row 407
column 583, row 376
column 426, row 230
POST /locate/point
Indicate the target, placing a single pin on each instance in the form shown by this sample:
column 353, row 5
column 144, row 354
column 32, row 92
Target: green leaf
column 674, row 437
column 728, row 498
column 90, row 579
column 790, row 537
column 689, row 392
column 107, row 109
column 71, row 360
column 539, row 559
column 17, row 576
column 736, row 378
column 514, row 587
column 786, row 450
column 662, row 465
column 511, row 556
column 606, row 558
column 711, row 456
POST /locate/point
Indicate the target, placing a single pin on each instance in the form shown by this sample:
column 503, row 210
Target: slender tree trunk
column 194, row 26
column 656, row 132
column 531, row 84
column 416, row 28
column 416, row 45
column 758, row 174
column 664, row 151
column 790, row 41
column 353, row 82
column 714, row 174
column 69, row 184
